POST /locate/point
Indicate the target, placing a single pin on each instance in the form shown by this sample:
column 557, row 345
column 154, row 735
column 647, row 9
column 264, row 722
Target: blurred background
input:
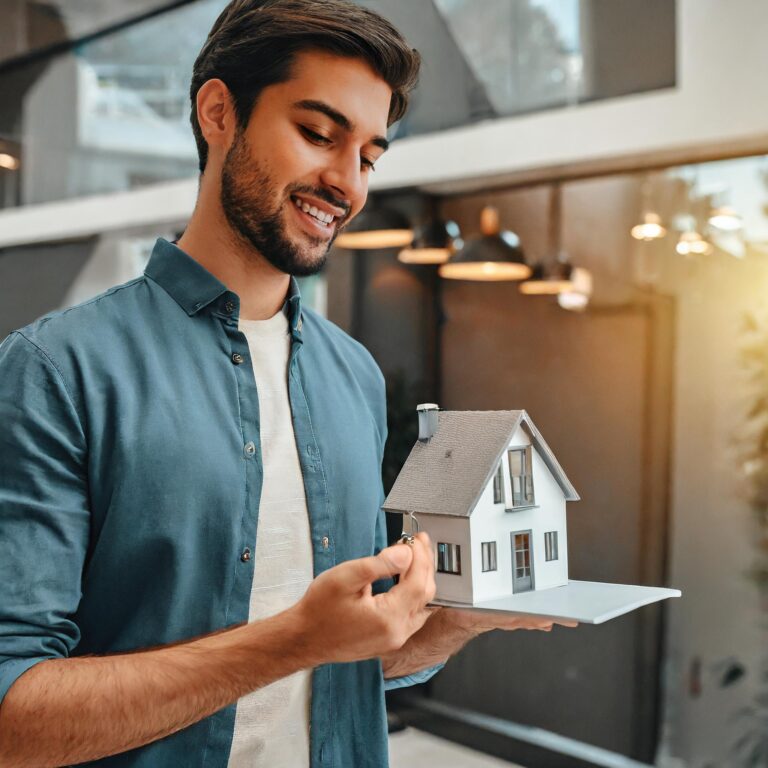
column 596, row 174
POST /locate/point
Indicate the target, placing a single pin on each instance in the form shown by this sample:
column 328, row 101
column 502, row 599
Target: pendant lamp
column 650, row 227
column 493, row 255
column 691, row 243
column 378, row 227
column 554, row 276
column 9, row 162
column 548, row 279
column 726, row 219
column 433, row 243
column 577, row 298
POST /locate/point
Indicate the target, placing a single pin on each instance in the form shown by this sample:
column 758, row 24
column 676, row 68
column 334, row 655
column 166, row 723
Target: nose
column 343, row 177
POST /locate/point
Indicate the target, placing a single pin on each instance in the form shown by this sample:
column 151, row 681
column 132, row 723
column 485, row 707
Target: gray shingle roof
column 447, row 474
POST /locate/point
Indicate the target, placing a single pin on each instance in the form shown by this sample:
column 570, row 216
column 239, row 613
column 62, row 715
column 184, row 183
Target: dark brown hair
column 253, row 44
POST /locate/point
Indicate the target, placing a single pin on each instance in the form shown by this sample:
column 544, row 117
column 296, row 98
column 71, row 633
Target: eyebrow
column 341, row 120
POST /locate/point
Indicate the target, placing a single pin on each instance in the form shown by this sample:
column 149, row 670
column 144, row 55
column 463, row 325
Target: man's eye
column 313, row 136
column 317, row 138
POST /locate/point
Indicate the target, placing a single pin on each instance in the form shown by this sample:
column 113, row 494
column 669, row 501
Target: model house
column 492, row 496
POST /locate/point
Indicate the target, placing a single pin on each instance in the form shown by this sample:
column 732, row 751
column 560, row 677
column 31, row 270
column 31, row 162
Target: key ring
column 410, row 538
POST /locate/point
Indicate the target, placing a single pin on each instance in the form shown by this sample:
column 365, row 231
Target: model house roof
column 446, row 474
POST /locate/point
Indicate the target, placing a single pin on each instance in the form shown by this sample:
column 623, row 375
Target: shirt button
column 229, row 306
column 250, row 448
column 246, row 556
column 326, row 542
column 237, row 358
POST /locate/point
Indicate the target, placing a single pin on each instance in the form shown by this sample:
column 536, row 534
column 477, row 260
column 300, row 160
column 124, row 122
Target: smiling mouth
column 321, row 217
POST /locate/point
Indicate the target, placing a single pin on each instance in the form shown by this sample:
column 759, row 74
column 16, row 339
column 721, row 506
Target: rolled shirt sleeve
column 417, row 677
column 44, row 511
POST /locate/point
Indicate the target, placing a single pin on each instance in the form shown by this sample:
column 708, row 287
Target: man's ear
column 216, row 115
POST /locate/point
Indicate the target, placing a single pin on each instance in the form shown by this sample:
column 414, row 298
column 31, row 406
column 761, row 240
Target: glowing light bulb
column 8, row 161
column 649, row 229
column 725, row 218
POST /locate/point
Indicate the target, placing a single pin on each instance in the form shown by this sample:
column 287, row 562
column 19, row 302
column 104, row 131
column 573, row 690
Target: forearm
column 72, row 710
column 434, row 643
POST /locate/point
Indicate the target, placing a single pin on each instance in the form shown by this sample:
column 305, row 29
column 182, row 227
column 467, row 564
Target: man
column 192, row 550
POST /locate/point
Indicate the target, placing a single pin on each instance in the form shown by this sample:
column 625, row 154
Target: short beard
column 247, row 190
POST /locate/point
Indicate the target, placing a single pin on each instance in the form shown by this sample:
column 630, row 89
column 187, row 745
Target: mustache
column 325, row 196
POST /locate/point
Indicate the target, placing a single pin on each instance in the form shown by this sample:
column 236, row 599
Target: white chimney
column 427, row 420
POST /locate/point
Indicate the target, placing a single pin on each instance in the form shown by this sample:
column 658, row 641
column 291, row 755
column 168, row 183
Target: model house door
column 522, row 562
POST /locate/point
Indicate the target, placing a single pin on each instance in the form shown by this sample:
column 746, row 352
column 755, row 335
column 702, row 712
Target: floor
column 411, row 747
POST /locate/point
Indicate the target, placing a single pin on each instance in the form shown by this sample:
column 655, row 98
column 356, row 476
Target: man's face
column 299, row 171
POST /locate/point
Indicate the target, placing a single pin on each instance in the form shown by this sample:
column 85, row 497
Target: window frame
column 526, row 496
column 499, row 494
column 488, row 556
column 551, row 546
column 445, row 558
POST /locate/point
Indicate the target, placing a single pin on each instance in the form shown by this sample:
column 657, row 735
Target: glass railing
column 111, row 114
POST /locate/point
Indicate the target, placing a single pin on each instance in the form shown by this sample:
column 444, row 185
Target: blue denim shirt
column 130, row 476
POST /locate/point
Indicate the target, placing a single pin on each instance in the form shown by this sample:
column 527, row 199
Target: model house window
column 550, row 545
column 521, row 475
column 448, row 558
column 489, row 555
column 498, row 486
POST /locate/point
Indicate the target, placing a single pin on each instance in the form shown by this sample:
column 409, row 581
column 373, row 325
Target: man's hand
column 474, row 622
column 344, row 621
column 449, row 630
column 65, row 711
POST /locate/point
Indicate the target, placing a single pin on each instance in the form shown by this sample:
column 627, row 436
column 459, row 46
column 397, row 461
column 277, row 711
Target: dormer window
column 498, row 485
column 521, row 477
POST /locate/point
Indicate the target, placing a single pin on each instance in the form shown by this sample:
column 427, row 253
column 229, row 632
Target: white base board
column 588, row 602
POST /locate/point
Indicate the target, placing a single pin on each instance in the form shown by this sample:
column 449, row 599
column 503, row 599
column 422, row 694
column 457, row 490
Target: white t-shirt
column 272, row 723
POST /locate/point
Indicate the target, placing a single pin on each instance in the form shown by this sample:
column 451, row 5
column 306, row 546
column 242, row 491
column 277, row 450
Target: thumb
column 390, row 561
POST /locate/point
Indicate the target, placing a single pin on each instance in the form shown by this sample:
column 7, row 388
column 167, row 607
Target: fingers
column 484, row 621
column 417, row 585
column 360, row 573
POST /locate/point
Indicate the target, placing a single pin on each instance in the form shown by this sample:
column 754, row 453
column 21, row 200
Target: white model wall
column 451, row 530
column 490, row 522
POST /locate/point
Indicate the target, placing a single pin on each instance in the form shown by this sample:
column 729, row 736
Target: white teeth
column 325, row 218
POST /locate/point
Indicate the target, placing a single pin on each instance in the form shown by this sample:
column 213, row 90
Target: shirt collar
column 193, row 287
column 188, row 283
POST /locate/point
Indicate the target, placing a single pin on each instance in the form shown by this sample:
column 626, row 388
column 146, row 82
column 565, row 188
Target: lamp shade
column 548, row 279
column 650, row 228
column 493, row 255
column 577, row 298
column 691, row 243
column 376, row 228
column 8, row 161
column 433, row 243
column 725, row 218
